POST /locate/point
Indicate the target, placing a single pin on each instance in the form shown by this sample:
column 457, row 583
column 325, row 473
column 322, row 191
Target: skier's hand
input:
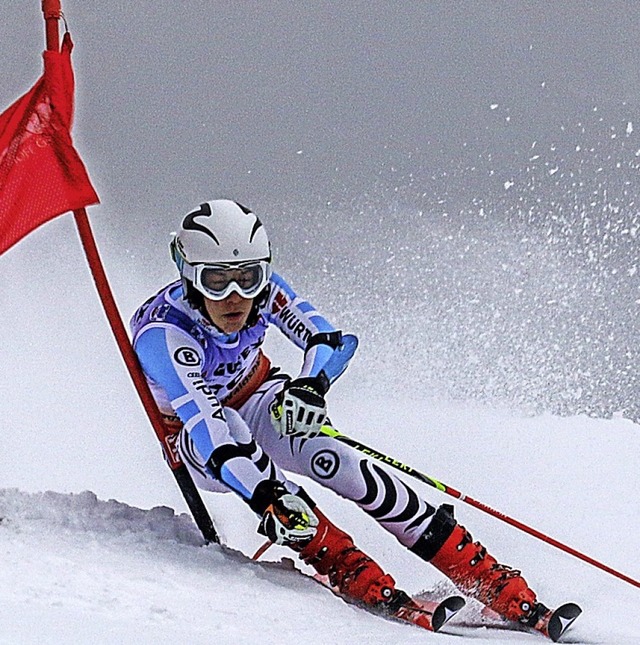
column 288, row 520
column 299, row 409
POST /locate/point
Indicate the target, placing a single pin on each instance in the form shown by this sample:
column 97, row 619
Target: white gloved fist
column 299, row 409
column 288, row 520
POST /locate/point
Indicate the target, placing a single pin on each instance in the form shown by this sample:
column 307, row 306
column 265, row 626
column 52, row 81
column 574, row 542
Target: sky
column 269, row 100
column 478, row 139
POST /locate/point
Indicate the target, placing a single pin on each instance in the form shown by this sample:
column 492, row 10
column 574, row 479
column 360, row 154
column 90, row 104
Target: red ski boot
column 331, row 552
column 294, row 521
column 450, row 548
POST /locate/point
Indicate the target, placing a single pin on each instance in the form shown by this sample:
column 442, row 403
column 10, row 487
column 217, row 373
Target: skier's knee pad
column 226, row 452
column 436, row 534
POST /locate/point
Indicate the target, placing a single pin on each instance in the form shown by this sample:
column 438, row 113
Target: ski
column 555, row 622
column 431, row 616
column 427, row 614
column 552, row 623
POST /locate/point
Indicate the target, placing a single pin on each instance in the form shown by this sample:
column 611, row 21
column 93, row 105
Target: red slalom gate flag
column 41, row 174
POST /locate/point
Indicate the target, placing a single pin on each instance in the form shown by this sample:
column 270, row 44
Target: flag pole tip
column 51, row 9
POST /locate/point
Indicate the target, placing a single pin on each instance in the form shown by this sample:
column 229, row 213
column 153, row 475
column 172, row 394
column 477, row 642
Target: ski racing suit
column 217, row 389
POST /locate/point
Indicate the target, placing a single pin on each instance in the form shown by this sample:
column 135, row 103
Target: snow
column 80, row 569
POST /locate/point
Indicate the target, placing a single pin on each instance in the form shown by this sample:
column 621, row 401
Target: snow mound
column 84, row 512
column 80, row 570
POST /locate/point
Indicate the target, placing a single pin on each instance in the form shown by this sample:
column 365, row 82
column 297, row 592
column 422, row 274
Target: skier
column 241, row 422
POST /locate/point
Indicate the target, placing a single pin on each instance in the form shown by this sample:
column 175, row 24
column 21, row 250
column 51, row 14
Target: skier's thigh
column 321, row 458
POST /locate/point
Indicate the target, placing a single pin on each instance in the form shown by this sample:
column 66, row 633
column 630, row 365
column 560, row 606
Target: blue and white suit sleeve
column 298, row 319
column 171, row 361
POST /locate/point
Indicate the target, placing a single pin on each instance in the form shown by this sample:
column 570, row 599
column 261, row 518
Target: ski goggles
column 217, row 281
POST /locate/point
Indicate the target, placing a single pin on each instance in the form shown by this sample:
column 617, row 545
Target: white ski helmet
column 220, row 248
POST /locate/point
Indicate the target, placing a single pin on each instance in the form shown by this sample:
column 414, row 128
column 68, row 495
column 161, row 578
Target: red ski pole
column 408, row 470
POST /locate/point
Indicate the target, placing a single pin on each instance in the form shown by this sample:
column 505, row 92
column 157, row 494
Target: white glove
column 288, row 520
column 299, row 408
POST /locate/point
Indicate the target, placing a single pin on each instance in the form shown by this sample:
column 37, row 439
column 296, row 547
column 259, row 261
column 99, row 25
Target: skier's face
column 230, row 314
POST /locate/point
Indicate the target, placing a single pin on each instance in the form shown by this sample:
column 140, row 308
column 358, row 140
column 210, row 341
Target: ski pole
column 430, row 481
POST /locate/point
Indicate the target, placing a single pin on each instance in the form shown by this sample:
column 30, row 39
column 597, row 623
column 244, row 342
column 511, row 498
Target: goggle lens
column 217, row 282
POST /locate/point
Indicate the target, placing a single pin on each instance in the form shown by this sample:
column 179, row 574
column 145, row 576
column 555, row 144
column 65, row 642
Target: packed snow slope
column 78, row 569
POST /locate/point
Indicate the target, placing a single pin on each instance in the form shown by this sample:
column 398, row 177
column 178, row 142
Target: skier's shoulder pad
column 161, row 310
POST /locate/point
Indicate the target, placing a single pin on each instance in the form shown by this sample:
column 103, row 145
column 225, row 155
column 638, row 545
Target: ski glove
column 288, row 520
column 299, row 409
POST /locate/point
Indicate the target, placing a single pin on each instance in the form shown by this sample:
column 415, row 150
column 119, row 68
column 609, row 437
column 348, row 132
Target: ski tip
column 561, row 619
column 446, row 610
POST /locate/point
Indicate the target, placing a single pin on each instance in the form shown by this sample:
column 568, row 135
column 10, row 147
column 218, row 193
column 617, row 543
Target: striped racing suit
column 216, row 389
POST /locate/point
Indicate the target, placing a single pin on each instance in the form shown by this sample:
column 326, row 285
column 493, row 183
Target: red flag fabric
column 41, row 174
